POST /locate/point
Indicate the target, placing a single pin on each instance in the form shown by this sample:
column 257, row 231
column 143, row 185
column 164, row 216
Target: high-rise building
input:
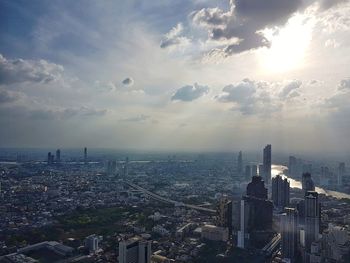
column 49, row 158
column 267, row 164
column 307, row 183
column 242, row 235
column 280, row 192
column 256, row 188
column 289, row 234
column 255, row 214
column 224, row 214
column 58, row 155
column 126, row 167
column 134, row 250
column 85, row 155
column 111, row 167
column 312, row 218
column 91, row 243
column 240, row 163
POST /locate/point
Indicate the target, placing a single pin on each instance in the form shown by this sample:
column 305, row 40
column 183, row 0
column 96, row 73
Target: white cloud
column 19, row 70
column 174, row 38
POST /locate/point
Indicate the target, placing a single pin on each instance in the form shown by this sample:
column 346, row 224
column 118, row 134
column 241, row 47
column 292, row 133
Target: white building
column 135, row 250
column 91, row 243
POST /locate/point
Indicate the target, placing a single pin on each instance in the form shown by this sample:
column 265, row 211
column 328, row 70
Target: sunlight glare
column 288, row 45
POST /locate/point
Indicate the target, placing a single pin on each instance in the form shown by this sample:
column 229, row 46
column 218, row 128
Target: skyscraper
column 126, row 167
column 134, row 250
column 312, row 218
column 256, row 188
column 255, row 214
column 289, row 231
column 49, row 158
column 267, row 164
column 111, row 167
column 224, row 214
column 58, row 155
column 239, row 163
column 280, row 192
column 85, row 155
column 307, row 183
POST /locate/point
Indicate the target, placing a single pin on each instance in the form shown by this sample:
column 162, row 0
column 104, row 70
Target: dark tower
column 280, row 192
column 307, row 183
column 85, row 155
column 58, row 155
column 256, row 188
column 49, row 158
column 267, row 164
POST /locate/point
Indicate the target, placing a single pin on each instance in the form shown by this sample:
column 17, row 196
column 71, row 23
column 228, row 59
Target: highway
column 169, row 201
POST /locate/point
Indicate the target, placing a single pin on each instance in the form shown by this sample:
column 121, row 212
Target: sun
column 288, row 45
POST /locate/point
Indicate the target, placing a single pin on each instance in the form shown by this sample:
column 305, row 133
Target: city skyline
column 72, row 76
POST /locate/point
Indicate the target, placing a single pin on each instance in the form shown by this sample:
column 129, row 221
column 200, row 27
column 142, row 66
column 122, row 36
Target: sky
column 191, row 75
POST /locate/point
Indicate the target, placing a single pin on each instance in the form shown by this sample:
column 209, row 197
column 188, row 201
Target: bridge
column 272, row 245
column 167, row 200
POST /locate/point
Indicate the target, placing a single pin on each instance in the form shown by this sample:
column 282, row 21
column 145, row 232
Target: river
column 279, row 169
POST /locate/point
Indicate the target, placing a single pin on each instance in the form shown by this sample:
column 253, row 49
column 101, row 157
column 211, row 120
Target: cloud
column 66, row 113
column 174, row 39
column 139, row 118
column 105, row 86
column 244, row 20
column 128, row 82
column 25, row 112
column 326, row 4
column 251, row 97
column 331, row 43
column 339, row 101
column 190, row 93
column 338, row 108
column 8, row 96
column 344, row 84
column 19, row 70
column 290, row 90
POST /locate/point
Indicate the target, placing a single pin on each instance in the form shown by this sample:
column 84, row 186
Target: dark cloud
column 190, row 93
column 19, row 70
column 344, row 84
column 244, row 20
column 128, row 82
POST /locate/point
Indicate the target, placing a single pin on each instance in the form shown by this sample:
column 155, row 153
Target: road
column 169, row 201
